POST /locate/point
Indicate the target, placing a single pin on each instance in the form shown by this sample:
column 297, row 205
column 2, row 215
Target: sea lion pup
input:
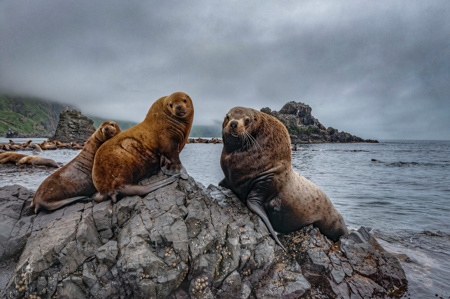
column 256, row 161
column 146, row 147
column 35, row 160
column 73, row 181
column 36, row 148
column 11, row 157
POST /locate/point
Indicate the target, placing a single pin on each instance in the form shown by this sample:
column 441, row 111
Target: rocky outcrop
column 73, row 126
column 12, row 134
column 305, row 128
column 181, row 241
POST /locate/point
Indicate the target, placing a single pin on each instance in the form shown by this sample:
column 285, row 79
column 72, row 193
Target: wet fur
column 260, row 171
column 73, row 180
column 144, row 148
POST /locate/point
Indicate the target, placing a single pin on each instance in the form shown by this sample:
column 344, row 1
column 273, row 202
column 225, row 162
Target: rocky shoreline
column 181, row 241
column 305, row 128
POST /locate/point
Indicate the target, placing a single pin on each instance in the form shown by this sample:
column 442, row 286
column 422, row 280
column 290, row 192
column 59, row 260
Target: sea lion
column 144, row 148
column 47, row 145
column 256, row 161
column 26, row 144
column 36, row 148
column 11, row 157
column 35, row 160
column 77, row 146
column 74, row 180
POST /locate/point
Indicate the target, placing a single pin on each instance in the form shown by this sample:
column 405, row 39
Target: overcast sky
column 375, row 69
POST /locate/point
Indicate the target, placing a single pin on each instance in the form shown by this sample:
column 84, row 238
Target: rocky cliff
column 181, row 241
column 28, row 117
column 304, row 128
column 73, row 126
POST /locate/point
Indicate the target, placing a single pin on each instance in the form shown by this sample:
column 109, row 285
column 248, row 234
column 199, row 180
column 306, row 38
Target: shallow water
column 403, row 196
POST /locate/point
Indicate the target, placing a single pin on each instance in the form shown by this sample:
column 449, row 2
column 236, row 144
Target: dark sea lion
column 35, row 160
column 11, row 157
column 256, row 161
column 144, row 148
column 74, row 180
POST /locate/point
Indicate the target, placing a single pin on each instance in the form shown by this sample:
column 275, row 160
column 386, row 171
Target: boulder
column 12, row 134
column 73, row 126
column 181, row 241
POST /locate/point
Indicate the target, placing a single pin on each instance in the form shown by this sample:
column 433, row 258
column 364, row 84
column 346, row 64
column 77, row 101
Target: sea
column 398, row 188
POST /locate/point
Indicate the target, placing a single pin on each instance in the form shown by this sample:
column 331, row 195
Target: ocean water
column 404, row 196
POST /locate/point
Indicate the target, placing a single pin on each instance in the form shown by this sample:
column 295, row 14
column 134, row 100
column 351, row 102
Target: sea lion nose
column 179, row 107
column 106, row 129
column 234, row 124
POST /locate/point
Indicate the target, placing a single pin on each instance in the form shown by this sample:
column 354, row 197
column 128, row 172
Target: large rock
column 181, row 241
column 12, row 134
column 73, row 126
column 305, row 128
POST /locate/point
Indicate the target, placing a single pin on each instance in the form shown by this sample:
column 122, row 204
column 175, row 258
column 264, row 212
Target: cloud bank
column 376, row 69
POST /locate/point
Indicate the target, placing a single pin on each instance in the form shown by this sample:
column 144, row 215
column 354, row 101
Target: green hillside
column 28, row 116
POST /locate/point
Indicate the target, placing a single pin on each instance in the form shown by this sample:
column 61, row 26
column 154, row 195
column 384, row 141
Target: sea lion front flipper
column 256, row 207
column 223, row 183
column 169, row 168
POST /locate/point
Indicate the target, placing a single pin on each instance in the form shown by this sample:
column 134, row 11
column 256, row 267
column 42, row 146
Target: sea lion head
column 179, row 105
column 107, row 130
column 238, row 128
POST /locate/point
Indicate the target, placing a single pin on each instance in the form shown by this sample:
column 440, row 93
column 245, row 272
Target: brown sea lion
column 35, row 160
column 74, row 180
column 11, row 157
column 47, row 145
column 26, row 144
column 256, row 161
column 146, row 147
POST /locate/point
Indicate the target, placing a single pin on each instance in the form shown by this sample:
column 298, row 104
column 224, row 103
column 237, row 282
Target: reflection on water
column 401, row 195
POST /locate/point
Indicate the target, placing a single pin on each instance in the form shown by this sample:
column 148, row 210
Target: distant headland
column 32, row 117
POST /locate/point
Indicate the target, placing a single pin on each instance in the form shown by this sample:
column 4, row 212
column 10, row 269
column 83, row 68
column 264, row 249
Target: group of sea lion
column 21, row 159
column 112, row 162
column 256, row 162
column 36, row 147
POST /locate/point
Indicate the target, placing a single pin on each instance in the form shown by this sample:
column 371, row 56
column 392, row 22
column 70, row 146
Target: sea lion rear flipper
column 51, row 206
column 142, row 190
column 255, row 206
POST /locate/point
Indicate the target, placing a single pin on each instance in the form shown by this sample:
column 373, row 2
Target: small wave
column 412, row 164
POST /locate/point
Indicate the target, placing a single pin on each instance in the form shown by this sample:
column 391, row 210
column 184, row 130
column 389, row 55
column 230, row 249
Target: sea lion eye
column 247, row 120
column 170, row 105
column 185, row 101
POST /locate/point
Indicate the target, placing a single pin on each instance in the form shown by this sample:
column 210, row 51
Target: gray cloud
column 374, row 69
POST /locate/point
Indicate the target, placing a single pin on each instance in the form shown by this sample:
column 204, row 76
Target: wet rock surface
column 181, row 241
